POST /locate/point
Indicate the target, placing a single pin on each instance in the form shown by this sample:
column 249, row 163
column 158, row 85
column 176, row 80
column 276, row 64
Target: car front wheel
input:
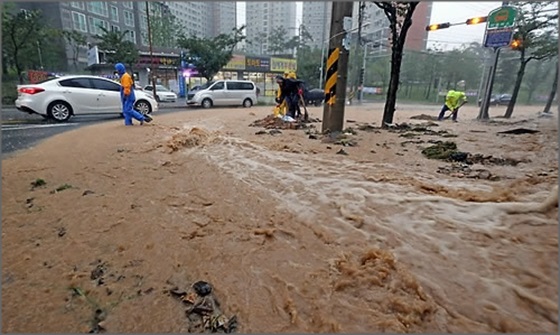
column 143, row 107
column 206, row 103
column 59, row 111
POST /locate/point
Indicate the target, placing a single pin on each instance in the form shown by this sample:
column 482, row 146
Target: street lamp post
column 40, row 55
column 363, row 73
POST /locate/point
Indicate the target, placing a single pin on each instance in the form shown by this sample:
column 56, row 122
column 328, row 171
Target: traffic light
column 477, row 20
column 516, row 44
column 438, row 26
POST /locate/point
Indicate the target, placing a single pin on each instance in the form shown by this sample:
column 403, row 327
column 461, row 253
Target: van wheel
column 206, row 103
column 247, row 103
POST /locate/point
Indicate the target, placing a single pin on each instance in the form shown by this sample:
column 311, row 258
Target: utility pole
column 153, row 70
column 483, row 114
column 337, row 69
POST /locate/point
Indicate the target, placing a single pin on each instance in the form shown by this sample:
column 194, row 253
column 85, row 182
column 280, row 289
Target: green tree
column 308, row 66
column 117, row 48
column 76, row 40
column 537, row 38
column 300, row 41
column 277, row 41
column 552, row 91
column 209, row 56
column 505, row 77
column 380, row 69
column 164, row 27
column 536, row 75
column 27, row 42
column 399, row 15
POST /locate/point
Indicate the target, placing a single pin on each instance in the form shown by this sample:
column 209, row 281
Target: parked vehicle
column 498, row 100
column 63, row 97
column 224, row 93
column 163, row 94
column 314, row 97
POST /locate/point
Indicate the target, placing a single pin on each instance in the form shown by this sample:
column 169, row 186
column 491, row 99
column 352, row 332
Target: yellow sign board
column 282, row 64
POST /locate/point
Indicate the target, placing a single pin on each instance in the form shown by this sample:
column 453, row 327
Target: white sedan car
column 61, row 98
column 163, row 94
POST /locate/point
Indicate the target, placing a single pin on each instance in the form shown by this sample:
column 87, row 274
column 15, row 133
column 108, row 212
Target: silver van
column 224, row 93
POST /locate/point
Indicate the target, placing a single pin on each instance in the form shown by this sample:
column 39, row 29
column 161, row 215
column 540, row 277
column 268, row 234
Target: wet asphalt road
column 22, row 131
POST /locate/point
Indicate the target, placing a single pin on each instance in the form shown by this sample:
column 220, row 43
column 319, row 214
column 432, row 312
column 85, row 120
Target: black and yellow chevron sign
column 332, row 76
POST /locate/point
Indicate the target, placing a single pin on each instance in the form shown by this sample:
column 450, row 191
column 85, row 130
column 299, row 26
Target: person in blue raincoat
column 128, row 97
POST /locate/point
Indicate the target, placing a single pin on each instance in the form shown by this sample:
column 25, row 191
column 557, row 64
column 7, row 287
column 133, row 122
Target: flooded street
column 292, row 236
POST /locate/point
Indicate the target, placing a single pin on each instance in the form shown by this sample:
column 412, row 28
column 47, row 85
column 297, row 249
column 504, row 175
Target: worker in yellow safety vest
column 281, row 107
column 453, row 101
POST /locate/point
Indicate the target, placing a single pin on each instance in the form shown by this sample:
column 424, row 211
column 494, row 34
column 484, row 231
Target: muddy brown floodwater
column 292, row 236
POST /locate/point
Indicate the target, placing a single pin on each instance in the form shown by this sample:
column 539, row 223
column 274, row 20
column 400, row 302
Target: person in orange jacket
column 128, row 98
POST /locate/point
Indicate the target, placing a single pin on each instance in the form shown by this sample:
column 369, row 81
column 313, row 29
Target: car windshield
column 162, row 88
column 208, row 84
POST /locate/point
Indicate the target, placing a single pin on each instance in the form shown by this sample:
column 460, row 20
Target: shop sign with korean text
column 282, row 64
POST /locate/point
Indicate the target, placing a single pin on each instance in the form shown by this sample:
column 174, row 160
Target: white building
column 316, row 17
column 205, row 19
column 262, row 18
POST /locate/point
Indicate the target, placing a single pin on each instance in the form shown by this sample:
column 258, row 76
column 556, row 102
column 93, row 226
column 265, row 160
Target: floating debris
column 462, row 170
column 448, row 151
column 519, row 131
column 424, row 117
column 272, row 122
column 38, row 183
column 203, row 310
column 342, row 152
column 441, row 150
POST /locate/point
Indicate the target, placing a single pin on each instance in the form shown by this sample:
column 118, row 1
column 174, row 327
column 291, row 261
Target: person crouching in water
column 128, row 98
column 290, row 91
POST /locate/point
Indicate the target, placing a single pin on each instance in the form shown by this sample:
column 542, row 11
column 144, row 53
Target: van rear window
column 239, row 86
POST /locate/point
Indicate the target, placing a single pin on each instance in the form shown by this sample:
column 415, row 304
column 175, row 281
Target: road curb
column 22, row 122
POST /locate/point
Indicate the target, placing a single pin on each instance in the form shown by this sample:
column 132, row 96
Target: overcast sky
column 451, row 11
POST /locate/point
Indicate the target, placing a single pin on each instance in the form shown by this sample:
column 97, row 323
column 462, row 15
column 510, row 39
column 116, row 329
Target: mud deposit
column 101, row 234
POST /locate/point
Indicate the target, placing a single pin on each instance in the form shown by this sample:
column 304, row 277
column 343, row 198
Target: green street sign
column 503, row 17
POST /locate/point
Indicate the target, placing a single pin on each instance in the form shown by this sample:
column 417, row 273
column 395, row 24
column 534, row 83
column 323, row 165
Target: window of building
column 79, row 5
column 115, row 28
column 128, row 18
column 79, row 22
column 98, row 7
column 143, row 21
column 66, row 14
column 114, row 14
column 128, row 4
column 95, row 24
column 131, row 36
